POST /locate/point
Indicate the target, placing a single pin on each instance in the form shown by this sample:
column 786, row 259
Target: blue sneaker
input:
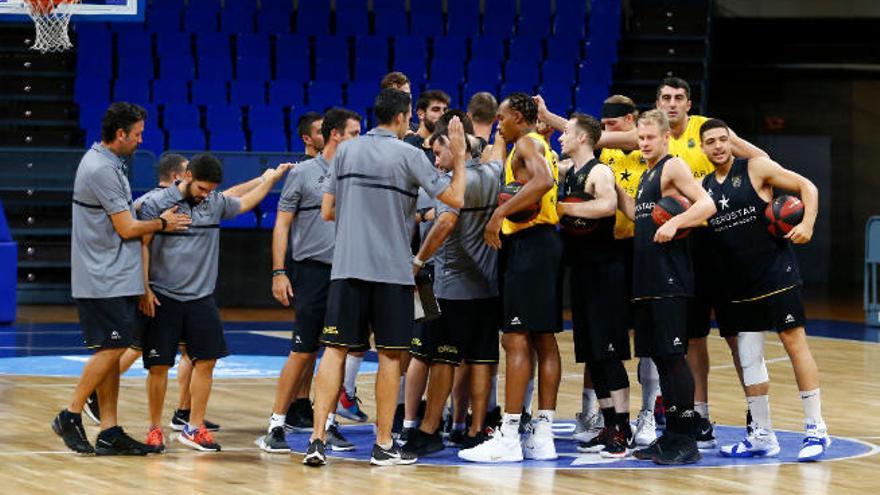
column 758, row 442
column 349, row 407
column 816, row 442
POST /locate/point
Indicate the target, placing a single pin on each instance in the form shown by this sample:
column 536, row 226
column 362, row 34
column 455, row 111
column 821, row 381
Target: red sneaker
column 156, row 440
column 200, row 439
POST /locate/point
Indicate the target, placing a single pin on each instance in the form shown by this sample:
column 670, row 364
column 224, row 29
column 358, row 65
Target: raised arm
column 776, row 176
column 679, row 176
column 622, row 140
column 250, row 200
column 546, row 116
column 454, row 194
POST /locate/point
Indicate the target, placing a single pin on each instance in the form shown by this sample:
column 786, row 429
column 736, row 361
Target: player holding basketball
column 663, row 283
column 598, row 286
column 530, row 272
column 762, row 285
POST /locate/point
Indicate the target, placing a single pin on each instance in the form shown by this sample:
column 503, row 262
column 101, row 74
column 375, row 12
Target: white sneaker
column 646, row 429
column 498, row 448
column 816, row 442
column 759, row 442
column 538, row 442
column 587, row 426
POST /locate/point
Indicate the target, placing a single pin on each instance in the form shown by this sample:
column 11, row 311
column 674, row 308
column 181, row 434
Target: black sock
column 621, row 421
column 608, row 416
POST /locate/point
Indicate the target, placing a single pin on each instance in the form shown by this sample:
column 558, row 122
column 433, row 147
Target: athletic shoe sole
column 351, row 416
column 585, row 436
column 590, row 450
column 493, row 460
column 392, row 462
column 182, row 439
column 617, row 455
column 707, row 444
column 56, row 427
column 265, row 447
column 314, row 460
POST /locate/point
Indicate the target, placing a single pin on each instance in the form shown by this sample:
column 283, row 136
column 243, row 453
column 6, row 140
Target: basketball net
column 51, row 24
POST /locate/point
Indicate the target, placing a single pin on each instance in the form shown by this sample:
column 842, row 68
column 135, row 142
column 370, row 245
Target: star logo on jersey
column 724, row 202
column 691, row 143
column 625, row 176
column 736, row 181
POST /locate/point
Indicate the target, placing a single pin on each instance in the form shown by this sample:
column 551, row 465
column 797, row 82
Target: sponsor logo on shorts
column 114, row 335
column 610, row 347
column 515, row 321
column 330, row 331
column 670, row 281
column 153, row 353
column 297, row 339
column 789, row 318
column 447, row 349
column 417, row 342
column 676, row 341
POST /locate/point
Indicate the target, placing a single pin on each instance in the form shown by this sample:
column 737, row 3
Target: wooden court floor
column 34, row 460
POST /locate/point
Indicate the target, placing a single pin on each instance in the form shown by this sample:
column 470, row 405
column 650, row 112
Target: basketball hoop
column 51, row 18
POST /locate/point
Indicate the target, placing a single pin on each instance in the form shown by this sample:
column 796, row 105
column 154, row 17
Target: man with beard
column 430, row 106
column 180, row 272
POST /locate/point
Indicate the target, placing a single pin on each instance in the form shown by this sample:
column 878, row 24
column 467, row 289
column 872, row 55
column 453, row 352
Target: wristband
column 164, row 224
column 416, row 261
column 280, row 271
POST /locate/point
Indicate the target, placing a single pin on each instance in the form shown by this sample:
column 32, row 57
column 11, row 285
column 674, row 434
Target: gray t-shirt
column 376, row 179
column 310, row 236
column 465, row 267
column 183, row 265
column 102, row 264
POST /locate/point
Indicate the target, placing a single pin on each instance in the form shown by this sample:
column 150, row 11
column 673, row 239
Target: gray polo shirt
column 465, row 267
column 311, row 238
column 376, row 179
column 102, row 264
column 183, row 265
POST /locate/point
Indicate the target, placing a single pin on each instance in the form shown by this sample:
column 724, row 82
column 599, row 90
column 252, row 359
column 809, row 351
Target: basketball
column 668, row 207
column 577, row 225
column 523, row 216
column 782, row 214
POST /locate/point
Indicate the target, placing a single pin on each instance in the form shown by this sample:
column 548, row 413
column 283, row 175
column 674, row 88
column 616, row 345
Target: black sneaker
column 421, row 443
column 525, row 421
column 704, row 432
column 300, row 416
column 493, row 418
column 404, row 435
column 336, row 441
column 469, row 442
column 91, row 408
column 458, row 437
column 617, row 445
column 315, row 455
column 114, row 441
column 274, row 442
column 651, row 451
column 181, row 419
column 391, row 457
column 597, row 444
column 397, row 424
column 68, row 426
column 679, row 450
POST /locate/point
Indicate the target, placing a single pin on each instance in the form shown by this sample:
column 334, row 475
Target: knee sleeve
column 616, row 373
column 600, row 380
column 676, row 380
column 750, row 347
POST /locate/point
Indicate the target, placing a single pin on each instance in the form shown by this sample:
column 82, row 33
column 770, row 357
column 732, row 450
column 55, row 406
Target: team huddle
column 436, row 244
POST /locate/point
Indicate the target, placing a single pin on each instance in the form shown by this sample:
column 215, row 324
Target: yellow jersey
column 547, row 215
column 628, row 167
column 687, row 147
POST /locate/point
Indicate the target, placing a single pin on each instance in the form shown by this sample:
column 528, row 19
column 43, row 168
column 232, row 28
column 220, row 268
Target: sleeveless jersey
column 599, row 240
column 751, row 263
column 547, row 215
column 687, row 147
column 659, row 270
column 628, row 167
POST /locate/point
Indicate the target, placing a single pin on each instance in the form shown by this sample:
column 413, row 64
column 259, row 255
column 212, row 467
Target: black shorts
column 530, row 289
column 700, row 310
column 776, row 313
column 354, row 307
column 467, row 330
column 625, row 248
column 661, row 326
column 193, row 323
column 311, row 283
column 598, row 308
column 107, row 323
column 141, row 322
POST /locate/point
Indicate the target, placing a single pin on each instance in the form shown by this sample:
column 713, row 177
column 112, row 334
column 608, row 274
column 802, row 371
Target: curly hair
column 525, row 105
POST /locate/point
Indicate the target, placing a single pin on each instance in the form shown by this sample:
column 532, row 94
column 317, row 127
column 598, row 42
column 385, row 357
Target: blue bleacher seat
column 295, row 68
column 568, row 50
column 446, row 71
column 246, row 220
column 427, row 23
column 270, row 139
column 276, row 6
column 534, row 18
column 450, row 88
column 88, row 89
column 253, row 45
column 410, row 48
column 388, row 5
column 286, row 93
column 154, row 140
column 526, row 49
column 163, row 19
column 333, row 69
column 558, row 71
column 253, row 67
column 312, row 19
column 351, row 6
column 91, row 113
column 201, row 19
column 204, row 3
column 247, row 92
column 557, row 95
column 415, row 69
column 135, row 66
column 487, row 48
column 332, row 47
column 594, row 71
column 132, row 41
column 502, row 18
column 568, row 28
column 263, row 116
column 522, row 73
column 292, row 45
column 324, row 94
column 237, row 19
column 93, row 38
column 170, row 90
column 427, row 6
column 220, row 115
column 271, row 22
column 483, row 71
column 174, row 43
column 463, row 18
column 589, row 97
column 208, row 92
column 470, row 89
column 572, row 8
column 186, row 139
column 136, row 90
column 516, row 86
column 227, row 139
column 372, row 47
column 368, row 69
column 450, row 48
column 165, row 3
column 96, row 67
column 360, row 95
column 390, row 23
column 351, row 23
column 176, row 65
column 212, row 45
column 180, row 116
column 219, row 68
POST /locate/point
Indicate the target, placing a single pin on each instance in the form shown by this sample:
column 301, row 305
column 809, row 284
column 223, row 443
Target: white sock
column 812, row 401
column 589, row 402
column 650, row 381
column 759, row 406
column 331, row 420
column 527, row 401
column 510, row 424
column 352, row 366
column 401, row 392
column 275, row 420
column 493, row 394
column 545, row 415
column 702, row 408
column 411, row 424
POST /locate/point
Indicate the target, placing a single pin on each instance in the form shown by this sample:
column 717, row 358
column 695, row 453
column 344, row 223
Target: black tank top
column 600, row 240
column 750, row 262
column 659, row 269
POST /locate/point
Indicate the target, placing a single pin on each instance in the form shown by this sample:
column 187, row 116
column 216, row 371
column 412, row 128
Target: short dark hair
column 713, row 124
column 483, row 107
column 523, row 104
column 389, row 103
column 169, row 164
column 441, row 128
column 337, row 118
column 588, row 124
column 677, row 83
column 120, row 115
column 393, row 80
column 206, row 167
column 304, row 124
column 425, row 99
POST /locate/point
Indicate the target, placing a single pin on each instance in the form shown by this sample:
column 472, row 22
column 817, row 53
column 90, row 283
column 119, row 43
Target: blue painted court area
column 570, row 458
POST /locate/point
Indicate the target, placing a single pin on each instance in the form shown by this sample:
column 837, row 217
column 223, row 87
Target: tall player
column 533, row 253
column 762, row 284
column 663, row 283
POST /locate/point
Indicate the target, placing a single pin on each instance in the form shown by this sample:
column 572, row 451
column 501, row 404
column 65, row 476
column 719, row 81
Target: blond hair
column 656, row 117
